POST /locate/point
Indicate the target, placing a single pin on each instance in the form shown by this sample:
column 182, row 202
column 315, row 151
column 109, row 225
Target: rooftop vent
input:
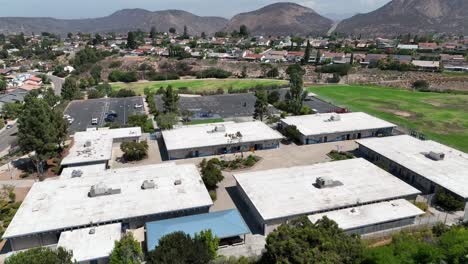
column 323, row 182
column 101, row 190
column 177, row 182
column 87, row 144
column 148, row 185
column 333, row 118
column 218, row 128
column 326, row 182
column 436, row 155
column 92, row 231
column 76, row 173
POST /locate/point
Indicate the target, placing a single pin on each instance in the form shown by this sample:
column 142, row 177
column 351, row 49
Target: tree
column 11, row 110
column 307, row 53
column 448, row 201
column 203, row 35
column 50, row 97
column 97, row 39
column 126, row 251
column 211, row 173
column 273, row 97
column 141, row 121
column 153, row 32
column 296, row 95
column 70, row 89
column 301, row 241
column 261, row 105
column 172, row 30
column 243, row 31
column 185, row 35
column 131, row 40
column 70, row 35
column 41, row 255
column 211, row 242
column 171, row 100
column 3, row 86
column 420, row 85
column 41, row 130
column 134, row 151
column 167, row 120
column 178, row 248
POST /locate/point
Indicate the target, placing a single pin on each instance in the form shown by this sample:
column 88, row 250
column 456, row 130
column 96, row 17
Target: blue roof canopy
column 223, row 224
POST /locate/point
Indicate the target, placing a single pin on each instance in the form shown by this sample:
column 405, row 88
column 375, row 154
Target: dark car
column 110, row 118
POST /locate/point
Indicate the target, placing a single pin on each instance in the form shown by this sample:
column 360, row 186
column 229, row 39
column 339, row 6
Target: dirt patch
column 434, row 103
column 397, row 112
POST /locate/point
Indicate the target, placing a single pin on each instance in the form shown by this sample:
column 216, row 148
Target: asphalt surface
column 319, row 105
column 84, row 111
column 224, row 106
column 8, row 138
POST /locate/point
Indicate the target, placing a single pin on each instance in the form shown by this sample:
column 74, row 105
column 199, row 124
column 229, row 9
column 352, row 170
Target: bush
column 134, row 151
column 273, row 97
column 421, row 205
column 213, row 195
column 115, row 64
column 141, row 121
column 448, row 202
column 93, row 94
column 420, row 85
column 157, row 76
column 122, row 76
column 341, row 69
column 213, row 73
column 250, row 161
column 340, row 155
column 123, row 93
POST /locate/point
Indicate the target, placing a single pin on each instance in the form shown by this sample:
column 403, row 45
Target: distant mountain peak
column 411, row 16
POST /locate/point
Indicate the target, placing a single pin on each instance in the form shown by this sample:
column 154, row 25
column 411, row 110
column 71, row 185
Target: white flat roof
column 86, row 171
column 95, row 146
column 56, row 205
column 370, row 214
column 319, row 124
column 88, row 246
column 290, row 192
column 198, row 136
column 450, row 173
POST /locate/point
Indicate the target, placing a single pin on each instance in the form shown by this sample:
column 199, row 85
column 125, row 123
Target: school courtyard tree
column 171, row 100
column 296, row 94
column 126, row 251
column 70, row 89
column 41, row 255
column 261, row 105
column 41, row 130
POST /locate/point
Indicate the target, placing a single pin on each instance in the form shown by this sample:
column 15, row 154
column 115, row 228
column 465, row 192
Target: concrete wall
column 222, row 149
column 381, row 227
column 349, row 135
column 39, row 240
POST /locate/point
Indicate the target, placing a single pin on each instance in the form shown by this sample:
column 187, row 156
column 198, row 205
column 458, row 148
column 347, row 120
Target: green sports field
column 441, row 117
column 198, row 85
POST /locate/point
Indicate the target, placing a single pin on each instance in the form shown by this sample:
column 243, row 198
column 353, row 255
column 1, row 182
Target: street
column 8, row 138
column 56, row 81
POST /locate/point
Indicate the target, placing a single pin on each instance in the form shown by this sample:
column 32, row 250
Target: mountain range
column 396, row 17
column 410, row 16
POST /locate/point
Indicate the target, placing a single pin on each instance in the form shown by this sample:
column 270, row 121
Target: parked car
column 9, row 126
column 94, row 121
column 110, row 118
column 136, row 106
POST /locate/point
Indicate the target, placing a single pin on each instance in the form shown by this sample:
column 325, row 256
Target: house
column 429, row 46
column 373, row 59
column 407, row 47
column 402, row 59
column 426, row 65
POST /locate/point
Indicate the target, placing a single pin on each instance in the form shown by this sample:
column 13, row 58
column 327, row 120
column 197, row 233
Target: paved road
column 8, row 138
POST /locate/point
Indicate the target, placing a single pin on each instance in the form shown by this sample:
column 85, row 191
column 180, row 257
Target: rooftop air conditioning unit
column 436, row 155
column 76, row 173
column 101, row 190
column 148, row 185
column 177, row 182
column 88, row 144
column 323, row 182
column 92, row 231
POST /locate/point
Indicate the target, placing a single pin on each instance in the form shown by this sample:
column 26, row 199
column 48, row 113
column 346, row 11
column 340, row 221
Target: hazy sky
column 225, row 8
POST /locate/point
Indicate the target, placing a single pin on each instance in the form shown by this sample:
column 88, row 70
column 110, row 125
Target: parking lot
column 84, row 111
column 315, row 103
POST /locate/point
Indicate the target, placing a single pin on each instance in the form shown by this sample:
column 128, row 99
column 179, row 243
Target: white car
column 70, row 120
column 9, row 126
column 136, row 106
column 66, row 116
column 94, row 121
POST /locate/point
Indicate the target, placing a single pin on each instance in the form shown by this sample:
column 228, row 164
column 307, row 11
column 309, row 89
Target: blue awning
column 222, row 224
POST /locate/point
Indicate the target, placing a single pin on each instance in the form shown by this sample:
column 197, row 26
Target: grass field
column 205, row 121
column 441, row 117
column 198, row 85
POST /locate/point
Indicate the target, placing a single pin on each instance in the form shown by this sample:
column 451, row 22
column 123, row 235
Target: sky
column 224, row 8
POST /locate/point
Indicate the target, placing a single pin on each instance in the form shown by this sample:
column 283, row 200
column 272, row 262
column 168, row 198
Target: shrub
column 167, row 120
column 157, row 76
column 448, row 202
column 250, row 161
column 340, row 155
column 273, row 97
column 123, row 93
column 341, row 69
column 213, row 73
column 93, row 94
column 211, row 174
column 421, row 205
column 213, row 195
column 122, row 76
column 141, row 121
column 115, row 64
column 134, row 151
column 420, row 85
